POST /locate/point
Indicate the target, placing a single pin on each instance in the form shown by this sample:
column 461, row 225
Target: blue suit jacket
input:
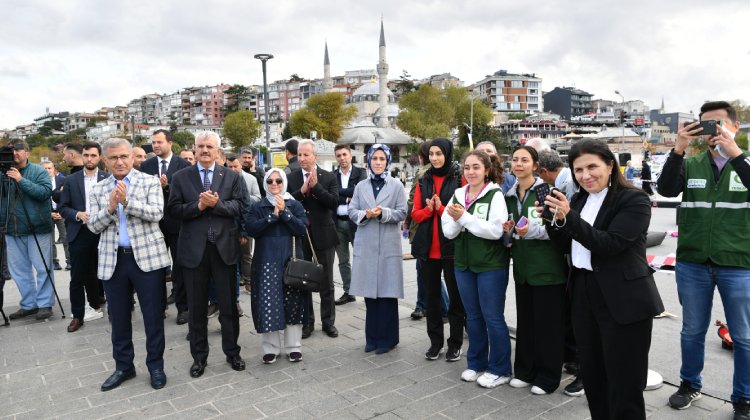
column 73, row 199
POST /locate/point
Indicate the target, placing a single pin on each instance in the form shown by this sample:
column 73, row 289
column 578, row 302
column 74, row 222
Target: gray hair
column 549, row 160
column 487, row 143
column 208, row 135
column 114, row 142
column 538, row 143
column 311, row 143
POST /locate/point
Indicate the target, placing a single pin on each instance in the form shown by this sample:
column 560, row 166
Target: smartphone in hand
column 522, row 222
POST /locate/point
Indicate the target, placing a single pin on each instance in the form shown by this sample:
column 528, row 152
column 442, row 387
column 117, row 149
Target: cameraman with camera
column 25, row 211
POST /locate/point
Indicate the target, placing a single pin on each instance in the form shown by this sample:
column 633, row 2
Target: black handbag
column 304, row 275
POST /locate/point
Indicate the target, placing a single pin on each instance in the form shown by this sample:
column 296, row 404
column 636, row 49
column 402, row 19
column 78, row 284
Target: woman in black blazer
column 614, row 295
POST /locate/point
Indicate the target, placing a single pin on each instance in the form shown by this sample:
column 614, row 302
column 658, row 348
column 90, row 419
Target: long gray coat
column 377, row 266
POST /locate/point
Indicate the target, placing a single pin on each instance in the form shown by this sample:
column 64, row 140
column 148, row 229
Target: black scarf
column 446, row 146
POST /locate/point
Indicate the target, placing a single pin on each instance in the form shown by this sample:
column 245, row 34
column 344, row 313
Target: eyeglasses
column 114, row 159
column 278, row 181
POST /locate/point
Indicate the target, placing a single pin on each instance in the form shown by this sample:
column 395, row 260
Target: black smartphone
column 709, row 127
column 542, row 191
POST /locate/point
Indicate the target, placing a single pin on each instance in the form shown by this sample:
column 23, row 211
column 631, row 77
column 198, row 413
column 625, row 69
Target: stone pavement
column 46, row 372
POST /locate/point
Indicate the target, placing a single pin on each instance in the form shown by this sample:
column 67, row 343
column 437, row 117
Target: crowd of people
column 576, row 236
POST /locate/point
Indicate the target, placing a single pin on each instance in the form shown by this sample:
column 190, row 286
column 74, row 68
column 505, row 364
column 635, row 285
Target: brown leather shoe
column 75, row 324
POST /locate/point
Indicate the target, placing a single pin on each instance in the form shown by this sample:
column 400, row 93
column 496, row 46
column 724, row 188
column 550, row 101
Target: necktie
column 307, row 177
column 207, row 187
column 163, row 167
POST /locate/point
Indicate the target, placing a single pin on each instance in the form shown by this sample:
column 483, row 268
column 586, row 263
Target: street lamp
column 263, row 58
column 622, row 113
column 471, row 123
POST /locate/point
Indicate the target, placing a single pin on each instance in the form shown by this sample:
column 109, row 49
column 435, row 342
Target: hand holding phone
column 542, row 191
column 522, row 222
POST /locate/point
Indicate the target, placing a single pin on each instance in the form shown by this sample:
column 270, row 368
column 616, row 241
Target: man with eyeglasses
column 125, row 211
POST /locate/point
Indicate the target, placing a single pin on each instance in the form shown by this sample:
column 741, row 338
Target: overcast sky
column 78, row 56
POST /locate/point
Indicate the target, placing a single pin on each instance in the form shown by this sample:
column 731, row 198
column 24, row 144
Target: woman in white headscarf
column 274, row 222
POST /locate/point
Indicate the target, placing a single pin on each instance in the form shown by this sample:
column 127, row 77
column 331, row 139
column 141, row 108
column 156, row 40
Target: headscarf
column 446, row 146
column 270, row 197
column 387, row 151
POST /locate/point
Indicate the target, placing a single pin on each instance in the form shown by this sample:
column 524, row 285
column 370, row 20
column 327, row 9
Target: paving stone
column 426, row 407
column 150, row 411
column 204, row 411
column 379, row 405
column 245, row 400
column 384, row 386
column 201, row 398
column 165, row 394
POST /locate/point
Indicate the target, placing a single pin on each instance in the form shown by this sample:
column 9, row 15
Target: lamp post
column 263, row 58
column 622, row 123
column 471, row 124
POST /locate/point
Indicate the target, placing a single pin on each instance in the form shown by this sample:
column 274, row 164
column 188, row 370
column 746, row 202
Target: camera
column 7, row 159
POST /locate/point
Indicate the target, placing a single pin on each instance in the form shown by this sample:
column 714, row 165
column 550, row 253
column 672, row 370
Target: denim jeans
column 22, row 255
column 444, row 300
column 695, row 287
column 483, row 296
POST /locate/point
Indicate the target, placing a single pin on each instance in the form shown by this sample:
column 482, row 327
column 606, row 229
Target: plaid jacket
column 143, row 212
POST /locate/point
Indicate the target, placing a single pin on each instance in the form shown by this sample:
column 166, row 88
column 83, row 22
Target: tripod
column 7, row 187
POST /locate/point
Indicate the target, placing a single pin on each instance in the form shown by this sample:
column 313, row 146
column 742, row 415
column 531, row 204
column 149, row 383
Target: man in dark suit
column 290, row 150
column 348, row 177
column 250, row 165
column 57, row 180
column 208, row 199
column 318, row 192
column 74, row 208
column 164, row 165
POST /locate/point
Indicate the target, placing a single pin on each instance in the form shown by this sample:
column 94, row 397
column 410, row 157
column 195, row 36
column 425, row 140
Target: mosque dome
column 370, row 91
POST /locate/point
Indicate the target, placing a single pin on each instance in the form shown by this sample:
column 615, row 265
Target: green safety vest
column 714, row 216
column 535, row 261
column 476, row 254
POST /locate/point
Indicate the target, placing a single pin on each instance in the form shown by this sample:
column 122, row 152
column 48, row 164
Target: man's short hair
column 76, row 147
column 247, row 150
column 291, row 146
column 549, row 160
column 188, row 150
column 231, row 157
column 342, row 146
column 92, row 145
column 712, row 106
column 538, row 143
column 424, row 151
column 167, row 134
column 18, row 144
column 114, row 142
column 487, row 142
column 208, row 135
column 309, row 143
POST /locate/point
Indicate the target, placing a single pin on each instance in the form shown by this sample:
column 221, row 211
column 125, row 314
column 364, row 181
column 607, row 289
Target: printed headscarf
column 387, row 151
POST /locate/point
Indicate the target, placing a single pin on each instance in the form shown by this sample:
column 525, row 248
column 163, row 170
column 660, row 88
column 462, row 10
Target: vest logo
column 534, row 217
column 696, row 183
column 735, row 183
column 481, row 211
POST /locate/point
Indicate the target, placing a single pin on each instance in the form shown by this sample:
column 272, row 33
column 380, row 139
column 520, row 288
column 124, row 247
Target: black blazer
column 187, row 184
column 617, row 242
column 73, row 199
column 168, row 224
column 320, row 206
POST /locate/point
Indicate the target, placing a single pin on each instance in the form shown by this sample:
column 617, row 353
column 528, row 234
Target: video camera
column 6, row 158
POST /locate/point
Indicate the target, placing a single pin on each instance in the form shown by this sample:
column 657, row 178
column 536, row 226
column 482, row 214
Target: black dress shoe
column 344, row 299
column 170, row 299
column 182, row 318
column 21, row 313
column 307, row 330
column 331, row 331
column 158, row 379
column 117, row 378
column 236, row 362
column 196, row 370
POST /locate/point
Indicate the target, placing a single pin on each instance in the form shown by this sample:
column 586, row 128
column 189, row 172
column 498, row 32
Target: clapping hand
column 455, row 211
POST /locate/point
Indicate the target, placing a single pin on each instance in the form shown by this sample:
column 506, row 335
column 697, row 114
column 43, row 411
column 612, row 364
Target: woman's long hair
column 496, row 173
column 617, row 181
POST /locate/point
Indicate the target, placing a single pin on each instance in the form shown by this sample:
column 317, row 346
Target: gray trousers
column 60, row 223
column 246, row 261
column 345, row 231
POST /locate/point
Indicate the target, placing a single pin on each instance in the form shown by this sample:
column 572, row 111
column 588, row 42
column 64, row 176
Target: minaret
column 327, row 81
column 661, row 110
column 383, row 76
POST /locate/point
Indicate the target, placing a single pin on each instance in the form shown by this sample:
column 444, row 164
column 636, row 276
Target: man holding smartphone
column 712, row 249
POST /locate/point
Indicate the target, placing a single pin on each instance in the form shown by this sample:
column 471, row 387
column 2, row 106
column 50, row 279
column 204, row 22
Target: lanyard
column 468, row 202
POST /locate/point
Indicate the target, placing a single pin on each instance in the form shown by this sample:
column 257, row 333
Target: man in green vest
column 713, row 249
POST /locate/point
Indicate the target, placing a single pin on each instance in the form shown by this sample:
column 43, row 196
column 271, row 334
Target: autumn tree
column 240, row 127
column 326, row 113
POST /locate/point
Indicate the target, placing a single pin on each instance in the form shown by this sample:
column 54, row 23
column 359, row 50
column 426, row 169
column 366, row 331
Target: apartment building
column 509, row 92
column 569, row 102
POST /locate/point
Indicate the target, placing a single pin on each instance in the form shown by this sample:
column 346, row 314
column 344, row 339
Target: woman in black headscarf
column 435, row 251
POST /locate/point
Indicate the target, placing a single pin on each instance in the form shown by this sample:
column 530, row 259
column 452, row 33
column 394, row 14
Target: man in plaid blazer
column 125, row 209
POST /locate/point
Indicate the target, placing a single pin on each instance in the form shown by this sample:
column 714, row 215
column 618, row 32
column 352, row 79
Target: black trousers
column 613, row 357
column 327, row 304
column 196, row 282
column 381, row 322
column 539, row 335
column 570, row 355
column 147, row 285
column 178, row 283
column 431, row 270
column 84, row 254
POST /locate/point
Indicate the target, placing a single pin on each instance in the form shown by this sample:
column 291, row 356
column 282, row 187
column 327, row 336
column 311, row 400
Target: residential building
column 508, row 92
column 117, row 113
column 77, row 121
column 670, row 119
column 48, row 116
column 143, row 109
column 442, row 81
column 105, row 130
column 169, row 108
column 569, row 102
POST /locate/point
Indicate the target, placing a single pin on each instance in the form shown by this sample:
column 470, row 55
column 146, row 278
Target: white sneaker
column 470, row 375
column 490, row 380
column 517, row 383
column 92, row 314
column 538, row 391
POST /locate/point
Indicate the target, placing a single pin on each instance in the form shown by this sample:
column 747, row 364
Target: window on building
column 516, row 83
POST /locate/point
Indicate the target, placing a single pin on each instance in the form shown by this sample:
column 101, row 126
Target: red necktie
column 307, row 178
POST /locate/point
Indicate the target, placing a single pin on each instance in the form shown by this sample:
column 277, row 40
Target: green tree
column 404, row 84
column 237, row 95
column 743, row 110
column 325, row 113
column 240, row 127
column 425, row 113
column 286, row 134
column 516, row 116
column 296, row 78
column 184, row 138
column 93, row 120
column 49, row 126
column 36, row 140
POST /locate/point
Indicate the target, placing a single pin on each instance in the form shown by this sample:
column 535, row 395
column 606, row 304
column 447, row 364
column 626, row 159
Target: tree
column 325, row 113
column 240, row 127
column 49, row 126
column 237, row 94
column 184, row 138
column 93, row 120
column 36, row 140
column 404, row 84
column 743, row 110
column 286, row 134
column 296, row 78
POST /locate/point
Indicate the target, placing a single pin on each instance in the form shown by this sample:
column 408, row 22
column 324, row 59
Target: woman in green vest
column 540, row 273
column 474, row 218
